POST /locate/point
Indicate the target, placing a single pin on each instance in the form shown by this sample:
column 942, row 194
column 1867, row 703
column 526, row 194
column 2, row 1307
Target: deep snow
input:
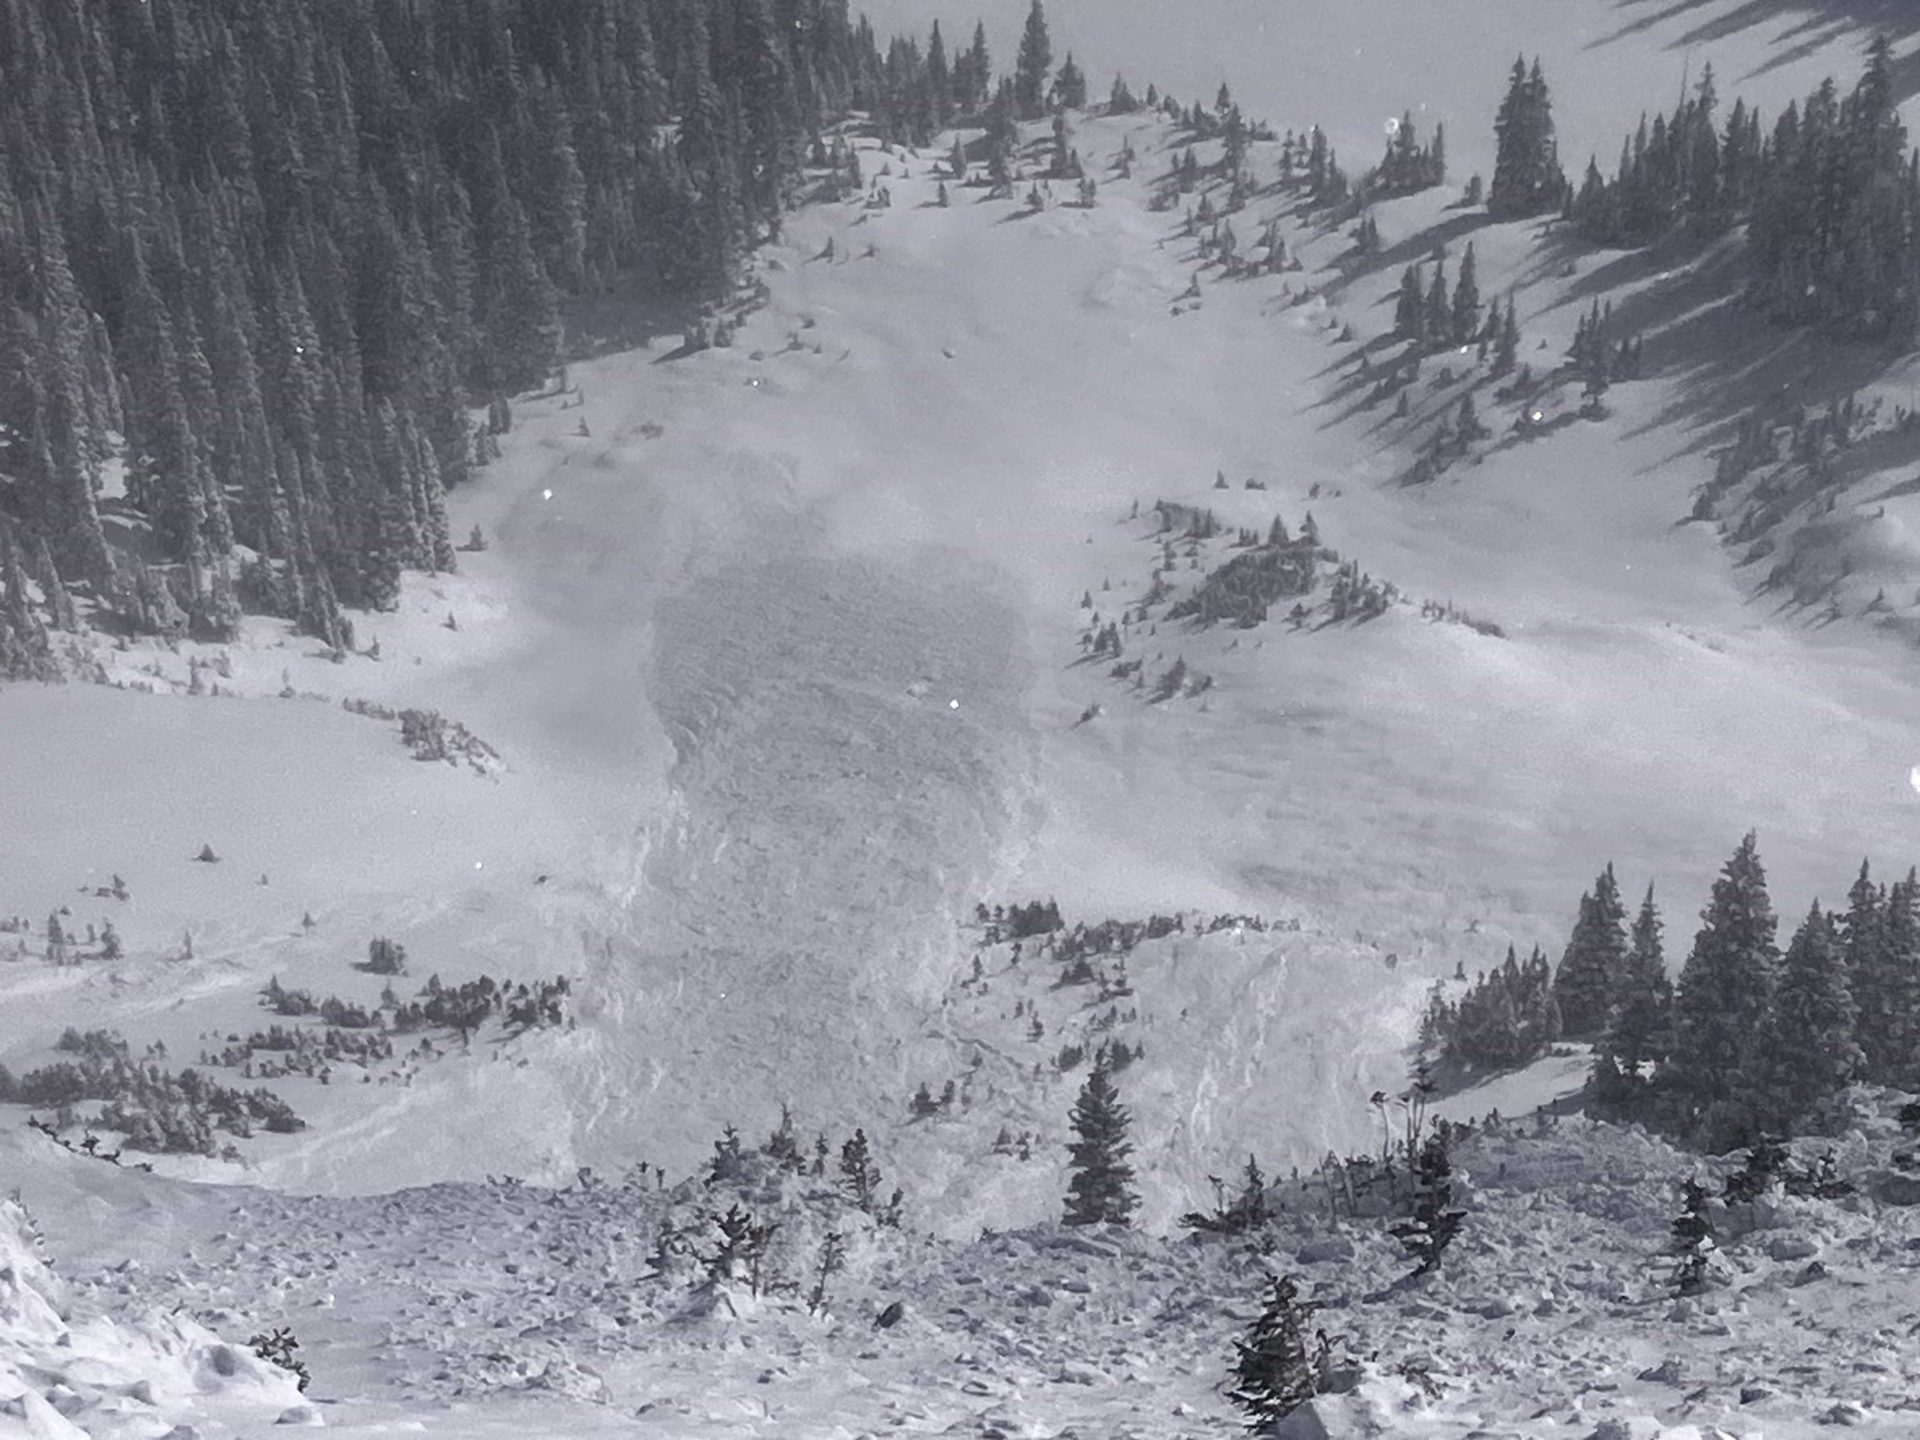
column 784, row 687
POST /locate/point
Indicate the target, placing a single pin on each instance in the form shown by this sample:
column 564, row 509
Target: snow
column 780, row 661
column 492, row 1306
column 106, row 1375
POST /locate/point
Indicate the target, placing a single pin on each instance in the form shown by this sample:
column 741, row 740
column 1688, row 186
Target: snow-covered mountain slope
column 778, row 645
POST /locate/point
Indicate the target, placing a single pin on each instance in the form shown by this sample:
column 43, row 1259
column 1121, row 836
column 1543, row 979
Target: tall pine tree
column 1807, row 1050
column 1590, row 971
column 1526, row 167
column 1723, row 999
column 1033, row 66
column 1100, row 1191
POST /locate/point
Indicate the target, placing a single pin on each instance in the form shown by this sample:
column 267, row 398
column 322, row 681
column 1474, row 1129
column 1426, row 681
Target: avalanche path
column 849, row 749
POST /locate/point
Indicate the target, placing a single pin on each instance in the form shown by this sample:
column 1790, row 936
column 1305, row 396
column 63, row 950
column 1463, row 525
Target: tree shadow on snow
column 1804, row 30
column 1725, row 361
column 1416, row 248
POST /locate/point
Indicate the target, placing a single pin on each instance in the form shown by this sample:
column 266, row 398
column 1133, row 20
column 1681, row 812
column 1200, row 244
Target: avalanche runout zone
column 850, row 744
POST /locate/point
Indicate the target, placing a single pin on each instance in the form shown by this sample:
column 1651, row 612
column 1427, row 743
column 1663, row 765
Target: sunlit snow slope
column 786, row 684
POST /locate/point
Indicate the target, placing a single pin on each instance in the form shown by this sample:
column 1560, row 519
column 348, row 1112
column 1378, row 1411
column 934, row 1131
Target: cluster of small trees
column 1507, row 1018
column 1356, row 595
column 1114, row 937
column 1408, row 166
column 1430, row 318
column 298, row 1050
column 64, row 947
column 1597, row 357
column 1310, row 163
column 463, row 1008
column 158, row 1110
column 1803, row 437
column 1018, row 922
column 1244, row 589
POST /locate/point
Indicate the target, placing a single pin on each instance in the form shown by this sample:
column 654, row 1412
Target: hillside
column 787, row 768
column 778, row 664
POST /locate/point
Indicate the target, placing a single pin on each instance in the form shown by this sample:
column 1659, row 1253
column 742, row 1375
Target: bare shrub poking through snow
column 278, row 1347
column 1246, row 1211
column 1693, row 1246
column 1436, row 1221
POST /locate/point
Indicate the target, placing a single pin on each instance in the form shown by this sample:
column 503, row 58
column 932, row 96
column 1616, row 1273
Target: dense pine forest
column 258, row 261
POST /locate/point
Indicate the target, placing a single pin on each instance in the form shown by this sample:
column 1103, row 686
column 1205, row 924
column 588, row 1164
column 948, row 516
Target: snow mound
column 101, row 1376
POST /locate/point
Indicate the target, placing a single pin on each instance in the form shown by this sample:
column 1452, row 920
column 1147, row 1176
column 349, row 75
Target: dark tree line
column 1747, row 1041
column 1750, row 1038
column 1830, row 195
column 278, row 250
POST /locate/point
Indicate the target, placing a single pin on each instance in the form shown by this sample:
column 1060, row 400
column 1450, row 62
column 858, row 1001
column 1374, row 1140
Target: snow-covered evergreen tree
column 859, row 1176
column 1807, row 1050
column 1437, row 320
column 1410, row 308
column 1526, row 169
column 1466, row 300
column 1723, row 998
column 1033, row 66
column 1595, row 960
column 1883, row 955
column 1640, row 1020
column 1436, row 1220
column 1692, row 1246
column 1070, row 85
